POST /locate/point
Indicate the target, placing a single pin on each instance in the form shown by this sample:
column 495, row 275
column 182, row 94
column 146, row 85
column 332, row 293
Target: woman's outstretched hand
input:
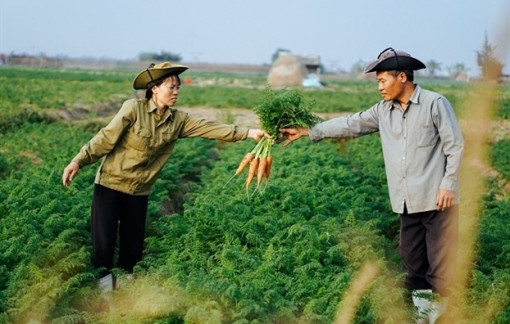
column 69, row 173
column 257, row 134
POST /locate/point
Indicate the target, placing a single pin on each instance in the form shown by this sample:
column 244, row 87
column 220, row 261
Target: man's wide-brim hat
column 390, row 59
column 157, row 72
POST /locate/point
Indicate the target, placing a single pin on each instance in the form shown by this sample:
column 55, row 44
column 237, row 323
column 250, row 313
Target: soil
column 499, row 129
column 238, row 116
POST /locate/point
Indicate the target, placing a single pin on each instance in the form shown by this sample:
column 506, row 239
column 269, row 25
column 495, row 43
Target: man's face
column 390, row 86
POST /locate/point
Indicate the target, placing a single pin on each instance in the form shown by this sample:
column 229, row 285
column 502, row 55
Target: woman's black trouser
column 116, row 212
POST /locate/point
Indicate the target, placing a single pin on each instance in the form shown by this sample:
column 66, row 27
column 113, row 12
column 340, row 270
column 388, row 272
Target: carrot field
column 294, row 254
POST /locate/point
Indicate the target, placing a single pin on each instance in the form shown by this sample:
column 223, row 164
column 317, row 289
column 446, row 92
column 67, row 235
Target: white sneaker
column 105, row 283
column 421, row 299
column 437, row 308
column 429, row 309
column 122, row 280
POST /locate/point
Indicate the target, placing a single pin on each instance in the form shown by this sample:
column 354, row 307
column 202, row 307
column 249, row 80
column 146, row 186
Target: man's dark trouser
column 428, row 246
column 111, row 211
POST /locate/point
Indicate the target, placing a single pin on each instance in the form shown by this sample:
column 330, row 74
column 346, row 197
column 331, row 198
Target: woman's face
column 165, row 94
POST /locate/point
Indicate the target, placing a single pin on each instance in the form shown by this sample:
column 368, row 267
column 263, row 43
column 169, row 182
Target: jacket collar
column 151, row 108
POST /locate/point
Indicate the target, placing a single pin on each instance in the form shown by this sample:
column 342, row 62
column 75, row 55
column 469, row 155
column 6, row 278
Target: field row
column 40, row 89
column 213, row 253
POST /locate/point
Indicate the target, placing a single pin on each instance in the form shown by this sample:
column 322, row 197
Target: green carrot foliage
column 211, row 255
column 285, row 108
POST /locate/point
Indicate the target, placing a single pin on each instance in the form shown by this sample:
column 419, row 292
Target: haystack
column 287, row 70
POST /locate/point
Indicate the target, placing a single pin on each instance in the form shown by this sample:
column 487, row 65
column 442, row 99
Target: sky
column 342, row 33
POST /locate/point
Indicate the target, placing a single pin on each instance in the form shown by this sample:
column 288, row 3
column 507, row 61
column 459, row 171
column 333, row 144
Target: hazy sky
column 221, row 31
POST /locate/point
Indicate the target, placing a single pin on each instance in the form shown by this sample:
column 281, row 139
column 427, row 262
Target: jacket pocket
column 139, row 139
column 169, row 137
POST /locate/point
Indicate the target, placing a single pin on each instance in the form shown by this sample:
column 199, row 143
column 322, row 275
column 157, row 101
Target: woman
column 135, row 146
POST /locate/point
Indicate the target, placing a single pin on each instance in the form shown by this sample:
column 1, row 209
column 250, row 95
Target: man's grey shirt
column 422, row 146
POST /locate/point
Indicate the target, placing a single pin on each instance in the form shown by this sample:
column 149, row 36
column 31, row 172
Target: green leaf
column 285, row 108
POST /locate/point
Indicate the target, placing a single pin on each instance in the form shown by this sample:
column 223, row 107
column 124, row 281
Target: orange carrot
column 246, row 160
column 253, row 167
column 261, row 170
column 269, row 161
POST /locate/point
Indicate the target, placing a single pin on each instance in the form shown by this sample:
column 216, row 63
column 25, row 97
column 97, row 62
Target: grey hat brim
column 399, row 63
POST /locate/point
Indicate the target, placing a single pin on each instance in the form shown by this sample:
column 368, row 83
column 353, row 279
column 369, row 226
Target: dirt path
column 246, row 117
column 238, row 116
column 499, row 129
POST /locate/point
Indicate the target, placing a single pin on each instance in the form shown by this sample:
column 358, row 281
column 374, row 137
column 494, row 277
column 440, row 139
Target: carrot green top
column 282, row 109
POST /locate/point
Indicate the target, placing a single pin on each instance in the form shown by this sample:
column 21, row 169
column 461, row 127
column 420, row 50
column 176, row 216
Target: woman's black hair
column 148, row 92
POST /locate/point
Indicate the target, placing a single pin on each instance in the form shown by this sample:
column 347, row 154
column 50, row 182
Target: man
column 422, row 148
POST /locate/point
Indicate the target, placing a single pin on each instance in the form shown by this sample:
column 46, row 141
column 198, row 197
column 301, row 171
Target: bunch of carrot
column 259, row 161
column 278, row 110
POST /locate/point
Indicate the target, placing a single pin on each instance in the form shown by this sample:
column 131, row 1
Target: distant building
column 312, row 63
column 293, row 70
column 30, row 60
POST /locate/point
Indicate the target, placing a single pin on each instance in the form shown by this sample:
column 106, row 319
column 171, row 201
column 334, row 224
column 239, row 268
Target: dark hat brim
column 400, row 63
column 143, row 78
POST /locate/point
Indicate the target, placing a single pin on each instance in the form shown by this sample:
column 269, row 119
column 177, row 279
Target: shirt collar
column 414, row 98
column 416, row 94
column 151, row 108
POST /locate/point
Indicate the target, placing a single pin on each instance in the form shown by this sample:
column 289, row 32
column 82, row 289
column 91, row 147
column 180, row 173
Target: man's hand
column 257, row 134
column 69, row 173
column 444, row 199
column 292, row 134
